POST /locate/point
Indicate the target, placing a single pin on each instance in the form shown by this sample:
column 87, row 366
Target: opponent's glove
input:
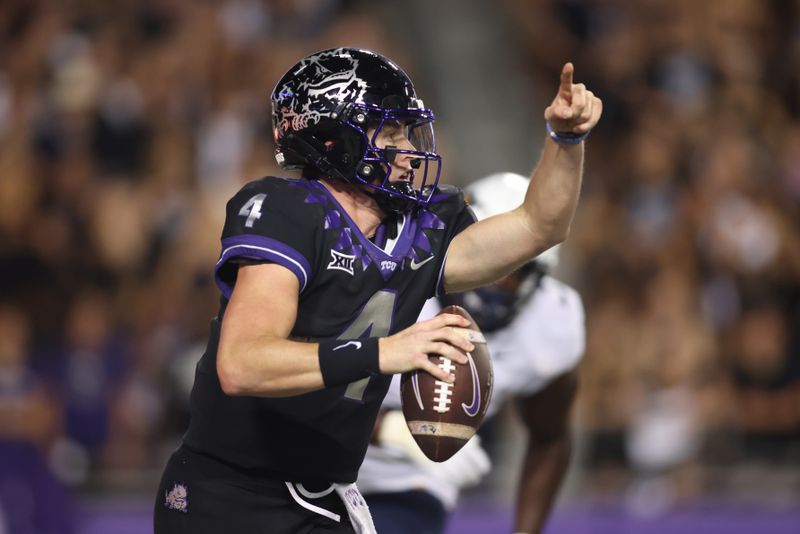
column 465, row 468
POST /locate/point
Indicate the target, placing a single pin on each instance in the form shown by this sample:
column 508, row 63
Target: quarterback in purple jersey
column 535, row 332
column 322, row 279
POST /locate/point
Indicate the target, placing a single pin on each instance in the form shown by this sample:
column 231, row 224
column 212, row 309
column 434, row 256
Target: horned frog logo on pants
column 176, row 498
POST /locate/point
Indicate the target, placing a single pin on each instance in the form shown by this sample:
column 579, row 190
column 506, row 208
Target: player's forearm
column 556, row 183
column 495, row 247
column 552, row 197
column 545, row 466
column 268, row 367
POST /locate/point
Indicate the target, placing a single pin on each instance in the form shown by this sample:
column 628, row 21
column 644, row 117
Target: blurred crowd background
column 126, row 125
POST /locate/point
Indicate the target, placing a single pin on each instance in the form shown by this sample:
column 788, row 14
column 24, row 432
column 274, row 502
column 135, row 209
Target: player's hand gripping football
column 408, row 349
column 575, row 109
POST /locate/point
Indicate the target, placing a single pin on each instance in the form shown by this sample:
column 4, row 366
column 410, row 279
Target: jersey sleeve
column 268, row 221
column 566, row 338
column 450, row 206
column 545, row 340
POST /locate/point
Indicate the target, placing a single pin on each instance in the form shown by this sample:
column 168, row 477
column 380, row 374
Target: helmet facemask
column 375, row 169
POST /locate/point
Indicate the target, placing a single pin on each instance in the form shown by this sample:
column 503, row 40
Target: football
column 442, row 417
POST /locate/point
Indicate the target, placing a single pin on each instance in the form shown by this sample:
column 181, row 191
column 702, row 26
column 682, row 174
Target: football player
column 322, row 279
column 534, row 327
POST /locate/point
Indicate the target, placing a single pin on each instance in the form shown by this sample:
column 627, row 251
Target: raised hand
column 575, row 109
column 445, row 334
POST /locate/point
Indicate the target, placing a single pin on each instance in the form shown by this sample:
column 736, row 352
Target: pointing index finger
column 566, row 80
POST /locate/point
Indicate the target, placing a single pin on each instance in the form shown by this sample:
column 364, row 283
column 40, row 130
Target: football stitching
column 443, row 389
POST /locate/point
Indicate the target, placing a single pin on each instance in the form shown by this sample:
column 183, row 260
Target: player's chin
column 404, row 183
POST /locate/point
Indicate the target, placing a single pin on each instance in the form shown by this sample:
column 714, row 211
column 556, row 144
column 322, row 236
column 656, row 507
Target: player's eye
column 393, row 128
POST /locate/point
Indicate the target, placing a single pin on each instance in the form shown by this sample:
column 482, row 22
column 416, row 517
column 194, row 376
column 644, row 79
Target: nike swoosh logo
column 414, row 265
column 356, row 344
column 474, row 406
column 415, row 383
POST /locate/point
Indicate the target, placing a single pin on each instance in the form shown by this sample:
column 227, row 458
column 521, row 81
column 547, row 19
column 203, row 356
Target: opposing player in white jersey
column 534, row 325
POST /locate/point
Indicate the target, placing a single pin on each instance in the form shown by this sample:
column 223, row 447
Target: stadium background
column 124, row 127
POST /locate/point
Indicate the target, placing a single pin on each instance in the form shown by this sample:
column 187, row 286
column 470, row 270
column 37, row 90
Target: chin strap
column 387, row 202
column 392, row 204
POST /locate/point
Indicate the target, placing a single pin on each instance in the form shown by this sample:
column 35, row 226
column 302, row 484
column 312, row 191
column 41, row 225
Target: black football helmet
column 323, row 109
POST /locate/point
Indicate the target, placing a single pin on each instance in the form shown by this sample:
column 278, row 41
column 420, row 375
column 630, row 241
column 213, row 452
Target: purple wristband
column 565, row 138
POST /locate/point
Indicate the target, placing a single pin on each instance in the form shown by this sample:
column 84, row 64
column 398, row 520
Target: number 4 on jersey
column 374, row 318
column 252, row 209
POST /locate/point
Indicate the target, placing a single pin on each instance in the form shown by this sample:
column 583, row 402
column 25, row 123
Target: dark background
column 126, row 125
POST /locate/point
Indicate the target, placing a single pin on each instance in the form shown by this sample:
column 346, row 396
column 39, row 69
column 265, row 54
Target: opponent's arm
column 546, row 415
column 494, row 247
column 255, row 356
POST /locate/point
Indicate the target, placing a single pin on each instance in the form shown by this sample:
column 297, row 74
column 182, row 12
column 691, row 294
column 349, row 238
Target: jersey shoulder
column 275, row 193
column 555, row 316
column 261, row 204
column 447, row 198
column 449, row 209
column 556, row 307
column 275, row 220
column 558, row 294
column 546, row 339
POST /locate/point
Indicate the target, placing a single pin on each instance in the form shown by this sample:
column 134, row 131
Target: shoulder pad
column 447, row 192
column 268, row 184
column 562, row 294
column 281, row 194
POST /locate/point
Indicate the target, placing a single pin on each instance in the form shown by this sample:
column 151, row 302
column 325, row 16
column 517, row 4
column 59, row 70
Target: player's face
column 394, row 134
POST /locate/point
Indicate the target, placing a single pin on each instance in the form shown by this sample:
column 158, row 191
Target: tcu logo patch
column 354, row 498
column 341, row 262
column 177, row 498
column 387, row 265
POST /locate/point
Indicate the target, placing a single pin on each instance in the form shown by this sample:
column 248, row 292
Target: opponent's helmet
column 495, row 306
column 501, row 192
column 323, row 108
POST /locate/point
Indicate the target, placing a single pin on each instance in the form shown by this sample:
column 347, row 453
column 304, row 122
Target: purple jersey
column 350, row 288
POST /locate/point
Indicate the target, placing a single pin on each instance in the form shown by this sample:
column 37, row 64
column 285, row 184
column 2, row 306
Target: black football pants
column 201, row 495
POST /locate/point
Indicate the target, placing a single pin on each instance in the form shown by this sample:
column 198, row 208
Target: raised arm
column 257, row 358
column 494, row 247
